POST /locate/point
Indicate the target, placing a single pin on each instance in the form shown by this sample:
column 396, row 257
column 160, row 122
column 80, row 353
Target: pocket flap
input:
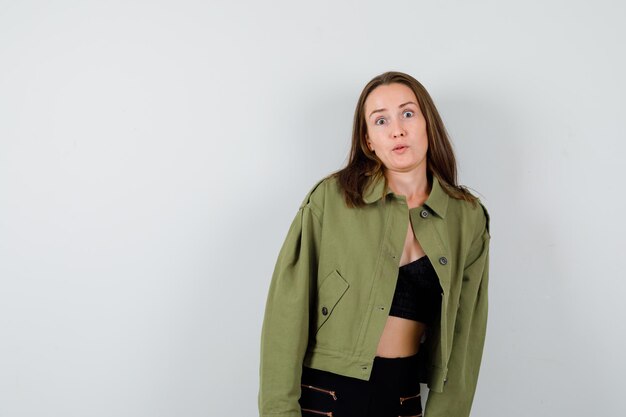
column 330, row 292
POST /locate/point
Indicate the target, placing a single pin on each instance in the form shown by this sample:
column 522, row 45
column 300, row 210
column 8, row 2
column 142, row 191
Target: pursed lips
column 399, row 147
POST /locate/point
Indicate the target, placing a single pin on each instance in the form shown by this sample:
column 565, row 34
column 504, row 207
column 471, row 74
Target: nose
column 397, row 130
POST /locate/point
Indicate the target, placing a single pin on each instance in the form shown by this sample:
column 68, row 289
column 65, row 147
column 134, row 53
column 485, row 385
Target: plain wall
column 153, row 154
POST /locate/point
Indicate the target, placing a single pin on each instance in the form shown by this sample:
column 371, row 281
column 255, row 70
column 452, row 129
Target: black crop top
column 418, row 293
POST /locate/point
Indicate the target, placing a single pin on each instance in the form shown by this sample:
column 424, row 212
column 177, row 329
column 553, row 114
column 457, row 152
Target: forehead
column 389, row 96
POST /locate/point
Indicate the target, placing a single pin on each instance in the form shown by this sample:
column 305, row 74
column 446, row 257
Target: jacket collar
column 437, row 200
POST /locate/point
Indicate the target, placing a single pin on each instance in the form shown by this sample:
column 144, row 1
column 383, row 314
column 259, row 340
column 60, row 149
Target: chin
column 406, row 167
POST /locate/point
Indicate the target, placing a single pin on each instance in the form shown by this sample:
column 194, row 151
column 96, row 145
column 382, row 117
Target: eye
column 379, row 120
column 410, row 113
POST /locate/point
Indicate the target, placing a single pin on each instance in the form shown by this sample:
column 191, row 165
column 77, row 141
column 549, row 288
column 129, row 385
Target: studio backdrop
column 154, row 153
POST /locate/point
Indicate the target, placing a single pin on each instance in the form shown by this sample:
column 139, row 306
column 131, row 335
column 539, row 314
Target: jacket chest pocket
column 330, row 292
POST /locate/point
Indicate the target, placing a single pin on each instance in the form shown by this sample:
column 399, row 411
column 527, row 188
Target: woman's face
column 396, row 128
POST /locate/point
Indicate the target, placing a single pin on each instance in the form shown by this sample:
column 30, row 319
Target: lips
column 399, row 147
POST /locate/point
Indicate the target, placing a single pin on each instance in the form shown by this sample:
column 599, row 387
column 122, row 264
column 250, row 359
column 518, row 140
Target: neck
column 411, row 184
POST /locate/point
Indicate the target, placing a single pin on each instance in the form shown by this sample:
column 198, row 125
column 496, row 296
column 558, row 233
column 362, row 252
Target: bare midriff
column 401, row 337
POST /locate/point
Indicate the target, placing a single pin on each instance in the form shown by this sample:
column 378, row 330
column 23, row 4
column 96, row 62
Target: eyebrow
column 400, row 106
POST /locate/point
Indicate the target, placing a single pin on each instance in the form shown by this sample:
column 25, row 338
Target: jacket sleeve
column 285, row 330
column 469, row 335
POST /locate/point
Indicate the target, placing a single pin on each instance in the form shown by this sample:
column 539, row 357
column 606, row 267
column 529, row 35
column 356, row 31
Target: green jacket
column 334, row 281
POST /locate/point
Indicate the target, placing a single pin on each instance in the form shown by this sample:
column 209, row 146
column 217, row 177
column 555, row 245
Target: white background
column 153, row 154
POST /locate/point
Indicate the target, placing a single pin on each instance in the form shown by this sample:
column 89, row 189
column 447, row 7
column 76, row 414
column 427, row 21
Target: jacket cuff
column 437, row 379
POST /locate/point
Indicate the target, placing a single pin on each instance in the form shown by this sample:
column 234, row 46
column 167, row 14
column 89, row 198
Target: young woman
column 381, row 282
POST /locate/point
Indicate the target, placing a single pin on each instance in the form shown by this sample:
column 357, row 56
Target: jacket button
column 445, row 380
column 443, row 260
column 424, row 213
column 324, row 311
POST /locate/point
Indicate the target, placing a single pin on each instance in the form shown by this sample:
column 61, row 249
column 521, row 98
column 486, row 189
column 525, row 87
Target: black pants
column 393, row 390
